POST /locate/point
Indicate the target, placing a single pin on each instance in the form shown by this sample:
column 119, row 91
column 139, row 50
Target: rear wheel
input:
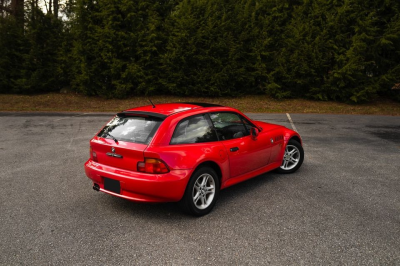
column 201, row 192
column 292, row 159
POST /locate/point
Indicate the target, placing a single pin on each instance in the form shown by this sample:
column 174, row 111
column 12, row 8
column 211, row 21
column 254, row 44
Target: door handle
column 234, row 149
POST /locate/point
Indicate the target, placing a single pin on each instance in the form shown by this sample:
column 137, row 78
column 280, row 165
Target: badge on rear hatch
column 113, row 154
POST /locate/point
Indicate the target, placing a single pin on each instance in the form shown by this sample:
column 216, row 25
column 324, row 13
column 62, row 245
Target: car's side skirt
column 241, row 178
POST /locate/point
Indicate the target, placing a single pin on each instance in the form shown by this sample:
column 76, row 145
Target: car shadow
column 241, row 190
column 171, row 210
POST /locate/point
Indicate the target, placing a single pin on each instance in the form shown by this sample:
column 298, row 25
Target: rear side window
column 195, row 129
column 134, row 129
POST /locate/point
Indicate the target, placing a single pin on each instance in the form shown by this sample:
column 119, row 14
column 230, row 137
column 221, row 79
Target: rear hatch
column 121, row 143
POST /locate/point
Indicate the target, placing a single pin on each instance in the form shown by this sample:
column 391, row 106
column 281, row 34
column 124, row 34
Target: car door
column 245, row 153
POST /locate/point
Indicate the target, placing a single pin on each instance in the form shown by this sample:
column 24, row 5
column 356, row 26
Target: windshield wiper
column 113, row 138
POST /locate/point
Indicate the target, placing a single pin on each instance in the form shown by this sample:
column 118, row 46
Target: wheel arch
column 296, row 138
column 213, row 165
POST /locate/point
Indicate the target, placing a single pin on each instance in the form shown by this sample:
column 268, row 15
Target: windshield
column 134, row 129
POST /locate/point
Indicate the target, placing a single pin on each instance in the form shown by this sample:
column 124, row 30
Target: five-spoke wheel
column 293, row 157
column 201, row 192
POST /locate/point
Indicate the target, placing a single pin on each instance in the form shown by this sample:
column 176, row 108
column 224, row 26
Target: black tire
column 291, row 167
column 196, row 207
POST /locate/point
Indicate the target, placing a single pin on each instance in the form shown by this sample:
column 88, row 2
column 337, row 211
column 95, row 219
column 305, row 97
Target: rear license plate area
column 112, row 185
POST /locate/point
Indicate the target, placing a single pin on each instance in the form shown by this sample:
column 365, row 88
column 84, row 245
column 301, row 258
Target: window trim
column 212, row 125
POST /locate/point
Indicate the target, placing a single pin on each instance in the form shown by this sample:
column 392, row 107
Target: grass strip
column 71, row 102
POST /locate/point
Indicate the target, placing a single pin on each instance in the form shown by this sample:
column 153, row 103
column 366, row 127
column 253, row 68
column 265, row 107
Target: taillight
column 93, row 154
column 152, row 166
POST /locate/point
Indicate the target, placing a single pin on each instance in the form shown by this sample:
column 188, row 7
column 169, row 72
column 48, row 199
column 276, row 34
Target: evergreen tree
column 344, row 50
column 40, row 72
column 211, row 49
column 118, row 46
column 29, row 56
column 13, row 47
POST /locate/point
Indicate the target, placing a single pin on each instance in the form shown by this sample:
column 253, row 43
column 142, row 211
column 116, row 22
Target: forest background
column 341, row 50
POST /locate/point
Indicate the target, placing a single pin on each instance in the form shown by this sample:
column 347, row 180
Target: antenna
column 152, row 103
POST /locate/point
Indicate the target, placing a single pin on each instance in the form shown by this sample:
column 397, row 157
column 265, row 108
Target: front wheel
column 201, row 192
column 292, row 159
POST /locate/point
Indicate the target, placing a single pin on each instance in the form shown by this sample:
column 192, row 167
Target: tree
column 211, row 48
column 344, row 50
column 31, row 55
column 118, row 45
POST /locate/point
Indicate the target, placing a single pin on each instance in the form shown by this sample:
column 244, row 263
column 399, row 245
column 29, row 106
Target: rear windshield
column 134, row 129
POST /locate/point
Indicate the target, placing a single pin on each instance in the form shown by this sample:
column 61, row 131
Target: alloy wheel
column 291, row 157
column 203, row 191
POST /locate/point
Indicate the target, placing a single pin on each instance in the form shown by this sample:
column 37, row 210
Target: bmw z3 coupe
column 186, row 153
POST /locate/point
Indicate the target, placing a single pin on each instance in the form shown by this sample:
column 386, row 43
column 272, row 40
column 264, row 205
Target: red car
column 186, row 153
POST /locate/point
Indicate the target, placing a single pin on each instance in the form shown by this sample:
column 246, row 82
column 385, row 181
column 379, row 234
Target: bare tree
column 5, row 8
column 55, row 5
column 14, row 8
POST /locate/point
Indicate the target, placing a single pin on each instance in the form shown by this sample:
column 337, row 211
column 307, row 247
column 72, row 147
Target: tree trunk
column 55, row 5
column 17, row 10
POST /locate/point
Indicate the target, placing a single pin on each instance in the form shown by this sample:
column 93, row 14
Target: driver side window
column 229, row 125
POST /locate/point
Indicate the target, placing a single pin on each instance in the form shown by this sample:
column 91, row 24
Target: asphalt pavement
column 341, row 208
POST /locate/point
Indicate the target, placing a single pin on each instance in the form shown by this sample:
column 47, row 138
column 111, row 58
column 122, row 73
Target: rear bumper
column 142, row 187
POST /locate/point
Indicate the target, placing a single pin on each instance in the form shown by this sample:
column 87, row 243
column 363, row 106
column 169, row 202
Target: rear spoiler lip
column 143, row 114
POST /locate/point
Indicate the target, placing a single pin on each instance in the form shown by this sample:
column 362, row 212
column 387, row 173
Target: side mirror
column 254, row 132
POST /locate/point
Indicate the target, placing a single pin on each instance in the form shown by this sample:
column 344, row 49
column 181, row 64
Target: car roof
column 166, row 109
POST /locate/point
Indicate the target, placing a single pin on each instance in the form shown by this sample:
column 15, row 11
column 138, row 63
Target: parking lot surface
column 341, row 207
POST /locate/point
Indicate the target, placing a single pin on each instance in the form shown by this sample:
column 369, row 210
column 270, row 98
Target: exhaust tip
column 96, row 187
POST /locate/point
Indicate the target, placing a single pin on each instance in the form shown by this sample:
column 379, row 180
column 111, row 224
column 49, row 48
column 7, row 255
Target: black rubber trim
column 141, row 113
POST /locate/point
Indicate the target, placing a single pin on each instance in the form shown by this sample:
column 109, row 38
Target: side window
column 194, row 129
column 230, row 125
